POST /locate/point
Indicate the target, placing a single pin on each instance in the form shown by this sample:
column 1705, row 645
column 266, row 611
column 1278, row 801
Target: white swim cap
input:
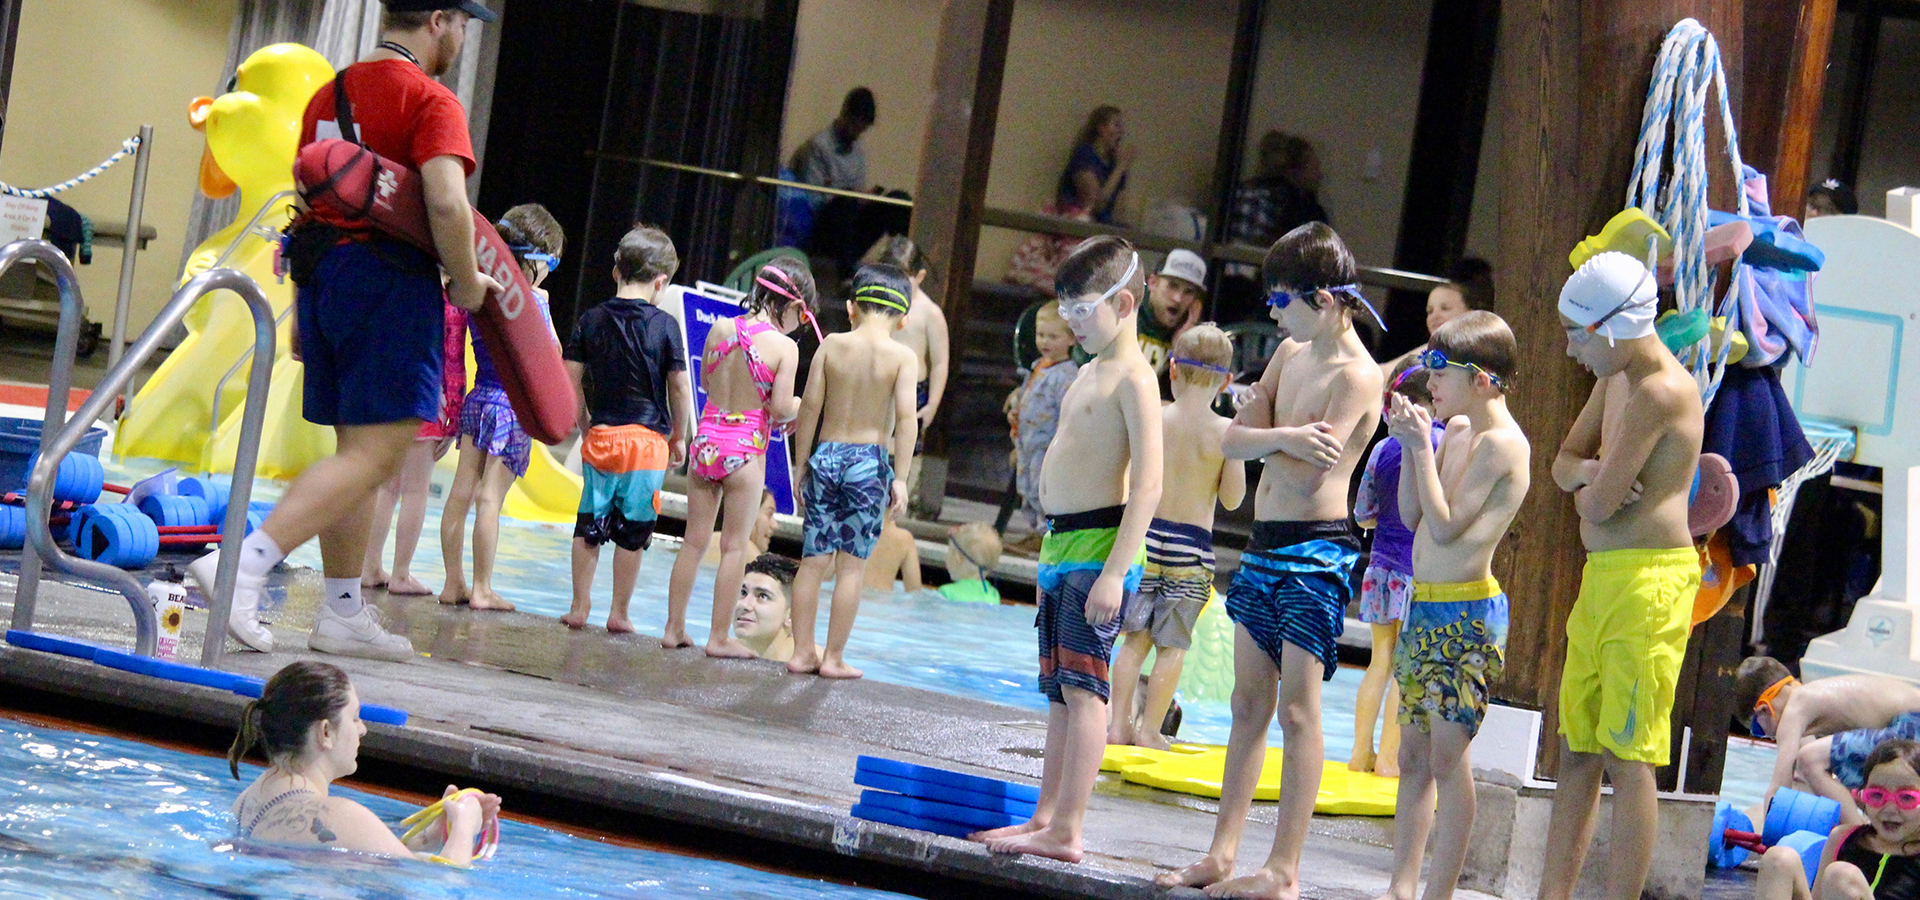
column 1615, row 291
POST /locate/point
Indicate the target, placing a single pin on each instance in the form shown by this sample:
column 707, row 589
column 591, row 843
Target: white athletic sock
column 343, row 595
column 259, row 554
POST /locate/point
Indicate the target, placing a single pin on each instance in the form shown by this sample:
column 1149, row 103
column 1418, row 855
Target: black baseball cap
column 472, row 8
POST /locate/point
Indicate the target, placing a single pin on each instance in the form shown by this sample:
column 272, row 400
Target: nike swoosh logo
column 1625, row 734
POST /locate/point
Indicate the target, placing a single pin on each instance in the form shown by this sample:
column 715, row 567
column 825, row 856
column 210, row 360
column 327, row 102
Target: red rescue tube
column 352, row 182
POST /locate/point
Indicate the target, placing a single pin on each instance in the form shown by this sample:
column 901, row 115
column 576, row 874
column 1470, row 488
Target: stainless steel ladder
column 56, row 444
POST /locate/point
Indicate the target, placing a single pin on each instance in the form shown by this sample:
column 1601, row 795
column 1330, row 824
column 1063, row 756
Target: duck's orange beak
column 213, row 182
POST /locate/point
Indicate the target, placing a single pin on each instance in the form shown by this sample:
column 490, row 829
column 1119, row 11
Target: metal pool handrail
column 249, row 231
column 40, row 484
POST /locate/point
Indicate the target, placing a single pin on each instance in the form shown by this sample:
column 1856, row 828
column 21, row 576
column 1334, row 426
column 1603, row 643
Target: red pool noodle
column 353, row 182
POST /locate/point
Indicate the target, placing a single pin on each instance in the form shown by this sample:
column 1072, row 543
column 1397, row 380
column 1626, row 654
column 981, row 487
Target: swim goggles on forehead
column 1876, row 797
column 1084, row 309
column 789, row 291
column 1766, row 700
column 1208, row 367
column 1436, row 360
column 1281, row 298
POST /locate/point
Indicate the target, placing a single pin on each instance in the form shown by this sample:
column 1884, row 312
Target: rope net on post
column 127, row 147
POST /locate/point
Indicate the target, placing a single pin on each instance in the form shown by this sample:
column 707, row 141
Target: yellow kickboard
column 1196, row 769
column 1626, row 232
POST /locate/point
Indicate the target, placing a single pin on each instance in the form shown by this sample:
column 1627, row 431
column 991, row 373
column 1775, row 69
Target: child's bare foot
column 1386, row 768
column 373, row 579
column 730, row 648
column 619, row 625
column 1120, row 731
column 1362, row 759
column 1027, row 827
column 1040, row 843
column 407, row 586
column 575, row 618
column 675, row 638
column 1262, row 884
column 453, row 594
column 485, row 598
column 803, row 663
column 838, row 668
column 1205, row 872
column 1151, row 739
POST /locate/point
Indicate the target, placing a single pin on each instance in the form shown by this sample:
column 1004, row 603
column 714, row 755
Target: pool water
column 89, row 816
column 969, row 650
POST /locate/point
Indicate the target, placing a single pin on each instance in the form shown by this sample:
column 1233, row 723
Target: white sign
column 21, row 217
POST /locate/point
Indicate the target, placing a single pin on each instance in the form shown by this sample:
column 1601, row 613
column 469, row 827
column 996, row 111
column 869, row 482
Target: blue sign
column 701, row 311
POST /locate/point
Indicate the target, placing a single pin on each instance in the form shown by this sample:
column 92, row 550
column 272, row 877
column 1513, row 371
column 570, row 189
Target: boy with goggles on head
column 1310, row 419
column 1629, row 462
column 1824, row 729
column 1099, row 484
column 859, row 402
column 1458, row 500
column 1178, row 578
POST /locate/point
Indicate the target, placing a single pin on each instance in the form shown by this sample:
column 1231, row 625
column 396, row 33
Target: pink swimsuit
column 725, row 441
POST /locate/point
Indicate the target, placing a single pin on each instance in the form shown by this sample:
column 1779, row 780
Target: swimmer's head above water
column 307, row 707
column 760, row 616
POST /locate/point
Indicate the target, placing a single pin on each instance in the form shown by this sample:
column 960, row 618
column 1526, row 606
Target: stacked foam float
column 244, row 685
column 928, row 799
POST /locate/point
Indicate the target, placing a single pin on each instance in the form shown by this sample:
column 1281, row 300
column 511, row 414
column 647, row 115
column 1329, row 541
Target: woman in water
column 307, row 721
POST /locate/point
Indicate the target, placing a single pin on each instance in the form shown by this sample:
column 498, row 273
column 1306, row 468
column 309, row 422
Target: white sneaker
column 243, row 621
column 360, row 634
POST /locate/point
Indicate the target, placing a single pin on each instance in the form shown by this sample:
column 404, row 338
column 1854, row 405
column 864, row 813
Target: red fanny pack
column 349, row 181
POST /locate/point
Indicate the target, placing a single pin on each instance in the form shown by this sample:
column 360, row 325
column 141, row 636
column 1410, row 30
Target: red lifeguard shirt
column 399, row 112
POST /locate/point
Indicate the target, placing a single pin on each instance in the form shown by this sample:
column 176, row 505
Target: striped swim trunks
column 1074, row 653
column 1177, row 583
column 1293, row 587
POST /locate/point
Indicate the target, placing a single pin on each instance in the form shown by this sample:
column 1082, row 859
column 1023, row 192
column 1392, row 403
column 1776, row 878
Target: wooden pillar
column 1782, row 104
column 957, row 155
column 1573, row 77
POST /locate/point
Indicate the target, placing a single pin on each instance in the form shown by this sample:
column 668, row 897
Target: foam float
column 1196, row 769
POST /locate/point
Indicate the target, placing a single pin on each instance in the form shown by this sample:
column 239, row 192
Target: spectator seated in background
column 1281, row 196
column 1831, row 198
column 1469, row 286
column 1175, row 299
column 842, row 228
column 1096, row 173
column 973, row 550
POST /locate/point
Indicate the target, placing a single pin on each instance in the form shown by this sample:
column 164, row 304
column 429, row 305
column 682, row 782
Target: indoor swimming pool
column 84, row 816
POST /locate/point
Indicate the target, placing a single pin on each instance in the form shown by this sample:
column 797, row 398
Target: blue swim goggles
column 1207, row 367
column 552, row 261
column 1281, row 298
column 1436, row 360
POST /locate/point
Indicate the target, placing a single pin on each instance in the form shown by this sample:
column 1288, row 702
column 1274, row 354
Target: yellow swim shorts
column 1625, row 640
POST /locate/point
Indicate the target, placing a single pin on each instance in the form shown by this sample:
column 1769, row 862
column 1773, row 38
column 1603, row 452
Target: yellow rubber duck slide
column 252, row 134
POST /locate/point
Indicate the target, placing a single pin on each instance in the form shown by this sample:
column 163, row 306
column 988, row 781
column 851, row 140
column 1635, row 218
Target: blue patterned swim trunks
column 848, row 489
column 1293, row 586
column 1848, row 757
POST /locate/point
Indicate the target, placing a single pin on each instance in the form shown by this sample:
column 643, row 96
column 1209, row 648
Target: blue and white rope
column 1686, row 70
column 127, row 146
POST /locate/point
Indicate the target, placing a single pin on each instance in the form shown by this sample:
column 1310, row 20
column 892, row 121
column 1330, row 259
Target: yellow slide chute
column 252, row 134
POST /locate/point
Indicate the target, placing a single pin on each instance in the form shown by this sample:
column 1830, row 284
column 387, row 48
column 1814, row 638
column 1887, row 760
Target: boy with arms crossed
column 859, row 402
column 1100, row 485
column 1459, row 502
column 1629, row 463
column 1179, row 570
column 1310, row 418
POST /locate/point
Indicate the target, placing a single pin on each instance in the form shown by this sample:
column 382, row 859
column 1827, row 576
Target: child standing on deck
column 1179, row 571
column 1310, row 418
column 924, row 331
column 748, row 369
column 1036, row 405
column 1629, row 462
column 493, row 449
column 629, row 371
column 1459, row 501
column 1387, row 584
column 1100, row 485
column 407, row 489
column 859, row 403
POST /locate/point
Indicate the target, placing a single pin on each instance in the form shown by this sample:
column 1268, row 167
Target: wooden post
column 1783, row 102
column 952, row 188
column 1574, row 76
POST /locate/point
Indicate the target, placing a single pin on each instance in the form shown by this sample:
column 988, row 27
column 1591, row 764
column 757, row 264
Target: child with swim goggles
column 494, row 449
column 1878, row 860
column 1824, row 729
column 1459, row 500
column 860, row 405
column 748, row 369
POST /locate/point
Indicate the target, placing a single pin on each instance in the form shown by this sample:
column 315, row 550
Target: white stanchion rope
column 126, row 147
column 1687, row 68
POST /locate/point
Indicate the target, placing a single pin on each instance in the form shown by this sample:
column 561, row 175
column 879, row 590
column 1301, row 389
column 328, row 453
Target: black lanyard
column 408, row 54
